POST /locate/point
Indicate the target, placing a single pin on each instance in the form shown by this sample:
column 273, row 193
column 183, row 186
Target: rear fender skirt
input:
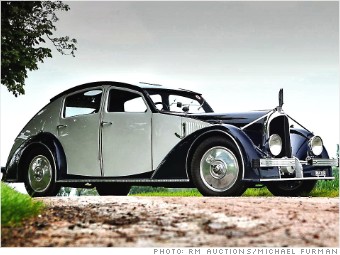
column 176, row 165
column 48, row 140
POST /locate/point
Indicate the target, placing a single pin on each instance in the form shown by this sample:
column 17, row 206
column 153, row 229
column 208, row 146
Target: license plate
column 319, row 173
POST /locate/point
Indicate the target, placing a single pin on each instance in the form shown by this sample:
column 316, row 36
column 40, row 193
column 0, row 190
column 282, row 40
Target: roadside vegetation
column 16, row 206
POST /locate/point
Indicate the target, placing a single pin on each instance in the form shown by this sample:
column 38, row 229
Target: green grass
column 322, row 189
column 327, row 188
column 257, row 192
column 16, row 207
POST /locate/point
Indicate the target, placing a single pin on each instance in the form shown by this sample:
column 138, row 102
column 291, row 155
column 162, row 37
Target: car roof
column 139, row 87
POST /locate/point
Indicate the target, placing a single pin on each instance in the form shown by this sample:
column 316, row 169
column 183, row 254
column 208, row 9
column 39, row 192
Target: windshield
column 178, row 101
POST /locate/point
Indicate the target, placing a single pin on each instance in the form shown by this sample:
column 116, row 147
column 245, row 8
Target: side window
column 178, row 102
column 125, row 101
column 86, row 102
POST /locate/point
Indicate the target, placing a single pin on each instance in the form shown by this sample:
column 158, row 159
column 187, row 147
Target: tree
column 25, row 27
column 64, row 192
column 86, row 192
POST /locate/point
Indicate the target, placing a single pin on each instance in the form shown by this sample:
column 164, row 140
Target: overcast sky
column 238, row 54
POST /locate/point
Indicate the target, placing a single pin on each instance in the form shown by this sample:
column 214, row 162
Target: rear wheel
column 113, row 189
column 217, row 168
column 40, row 173
column 291, row 188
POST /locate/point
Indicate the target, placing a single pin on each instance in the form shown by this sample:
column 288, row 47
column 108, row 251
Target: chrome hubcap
column 39, row 173
column 219, row 169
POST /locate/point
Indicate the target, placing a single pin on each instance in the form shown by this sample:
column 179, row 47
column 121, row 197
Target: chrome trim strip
column 251, row 123
column 121, row 180
column 297, row 179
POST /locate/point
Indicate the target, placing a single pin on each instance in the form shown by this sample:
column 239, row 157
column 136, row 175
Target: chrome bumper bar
column 294, row 165
column 286, row 162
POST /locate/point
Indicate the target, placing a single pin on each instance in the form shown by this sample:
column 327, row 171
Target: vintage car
column 112, row 136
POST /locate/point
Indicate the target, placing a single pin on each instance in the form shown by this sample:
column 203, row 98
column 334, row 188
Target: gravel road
column 181, row 222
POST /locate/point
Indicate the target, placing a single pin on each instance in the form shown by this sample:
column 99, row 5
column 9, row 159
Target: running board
column 290, row 179
column 121, row 180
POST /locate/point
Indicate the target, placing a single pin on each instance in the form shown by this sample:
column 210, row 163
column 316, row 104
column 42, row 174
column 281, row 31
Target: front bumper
column 295, row 166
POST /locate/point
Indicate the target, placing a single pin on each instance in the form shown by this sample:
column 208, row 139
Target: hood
column 238, row 119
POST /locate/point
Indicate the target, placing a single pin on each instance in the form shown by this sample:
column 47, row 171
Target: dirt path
column 180, row 222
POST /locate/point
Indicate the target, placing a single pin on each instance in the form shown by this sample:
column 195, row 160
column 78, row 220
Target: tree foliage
column 66, row 192
column 25, row 28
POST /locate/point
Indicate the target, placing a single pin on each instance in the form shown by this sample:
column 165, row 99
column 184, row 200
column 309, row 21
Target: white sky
column 237, row 54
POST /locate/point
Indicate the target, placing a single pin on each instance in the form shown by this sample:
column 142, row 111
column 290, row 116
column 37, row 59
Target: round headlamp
column 316, row 145
column 275, row 144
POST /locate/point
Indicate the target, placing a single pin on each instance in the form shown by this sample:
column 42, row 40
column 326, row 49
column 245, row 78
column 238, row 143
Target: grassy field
column 322, row 189
column 16, row 206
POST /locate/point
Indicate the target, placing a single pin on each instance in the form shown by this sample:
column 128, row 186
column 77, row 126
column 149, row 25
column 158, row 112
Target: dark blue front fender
column 176, row 165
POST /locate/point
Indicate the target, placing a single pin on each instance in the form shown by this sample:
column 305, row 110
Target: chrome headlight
column 275, row 144
column 316, row 145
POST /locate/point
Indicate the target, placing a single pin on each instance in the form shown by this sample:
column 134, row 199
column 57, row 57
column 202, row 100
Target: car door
column 78, row 131
column 126, row 134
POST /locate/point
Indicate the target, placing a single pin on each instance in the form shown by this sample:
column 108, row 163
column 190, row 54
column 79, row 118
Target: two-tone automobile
column 112, row 136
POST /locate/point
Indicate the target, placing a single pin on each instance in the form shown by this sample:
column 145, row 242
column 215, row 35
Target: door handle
column 184, row 130
column 105, row 123
column 61, row 126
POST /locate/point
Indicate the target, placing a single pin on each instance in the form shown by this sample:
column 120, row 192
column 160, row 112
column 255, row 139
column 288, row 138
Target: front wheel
column 113, row 189
column 291, row 188
column 40, row 174
column 217, row 168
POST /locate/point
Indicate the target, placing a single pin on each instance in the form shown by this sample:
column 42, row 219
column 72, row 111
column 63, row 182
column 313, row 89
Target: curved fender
column 176, row 164
column 299, row 139
column 13, row 174
column 248, row 151
column 300, row 149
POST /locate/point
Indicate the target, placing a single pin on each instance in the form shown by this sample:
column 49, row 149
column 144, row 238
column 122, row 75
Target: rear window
column 85, row 102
